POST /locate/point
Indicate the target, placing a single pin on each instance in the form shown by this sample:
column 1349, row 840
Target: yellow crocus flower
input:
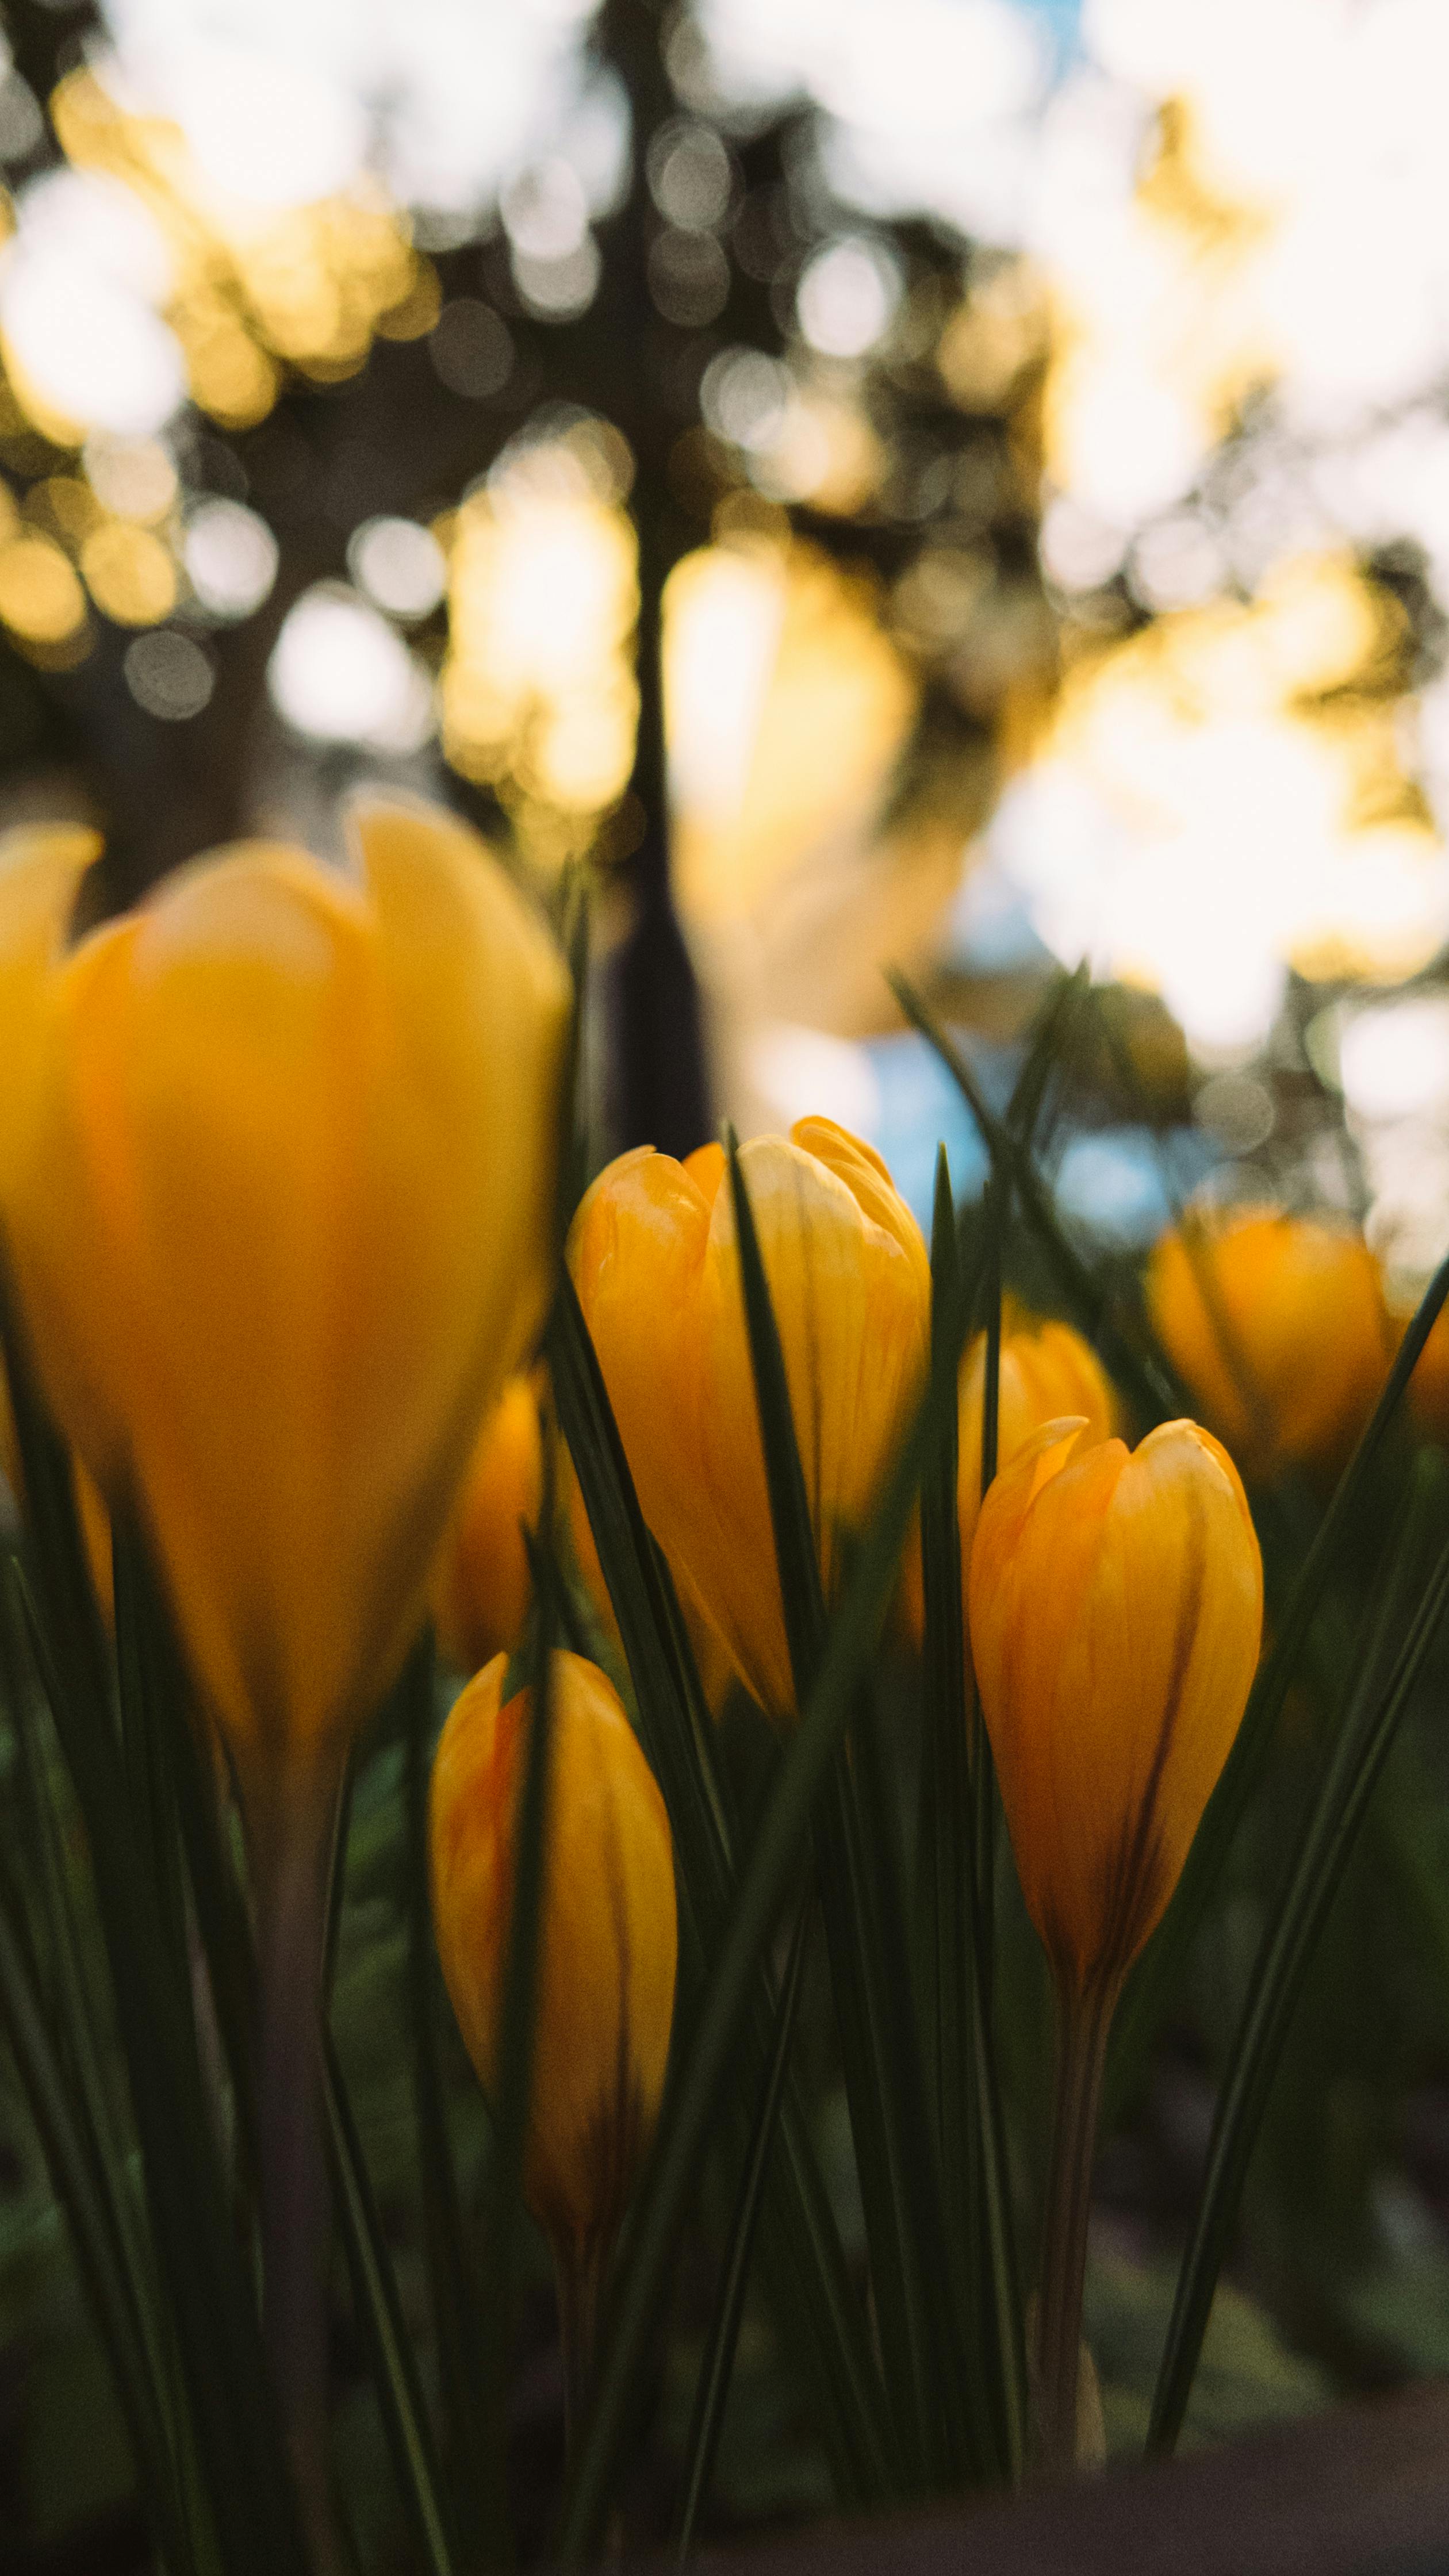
column 276, row 1184
column 608, row 1939
column 1278, row 1326
column 1116, row 1616
column 1047, row 1372
column 655, row 1259
column 277, row 1157
column 483, row 1581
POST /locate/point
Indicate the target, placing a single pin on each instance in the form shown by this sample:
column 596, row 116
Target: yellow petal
column 282, row 1228
column 1116, row 1615
column 1047, row 1372
column 608, row 1935
column 1278, row 1326
column 40, row 872
column 483, row 1579
column 657, row 1264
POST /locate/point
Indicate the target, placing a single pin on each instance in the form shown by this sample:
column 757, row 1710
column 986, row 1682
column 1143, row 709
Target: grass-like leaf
column 384, row 2328
column 81, row 2194
column 862, row 1902
column 717, row 2363
column 68, row 1996
column 1284, row 1954
column 1140, row 1371
column 995, row 2275
column 968, row 2128
column 791, row 1526
column 1158, row 1974
column 514, row 2078
column 806, row 2266
column 772, row 1869
column 862, row 2007
column 452, row 2278
column 959, row 1797
column 944, row 1828
column 238, row 2436
column 150, row 1690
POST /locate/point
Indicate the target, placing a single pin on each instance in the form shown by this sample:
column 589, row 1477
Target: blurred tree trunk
column 660, row 1091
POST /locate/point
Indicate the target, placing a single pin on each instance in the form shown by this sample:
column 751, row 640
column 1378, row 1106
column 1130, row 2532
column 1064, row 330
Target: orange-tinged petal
column 706, row 1168
column 1278, row 1326
column 40, row 873
column 280, row 1233
column 483, row 1579
column 608, row 1935
column 1047, row 1372
column 656, row 1260
column 1116, row 1615
column 870, row 1185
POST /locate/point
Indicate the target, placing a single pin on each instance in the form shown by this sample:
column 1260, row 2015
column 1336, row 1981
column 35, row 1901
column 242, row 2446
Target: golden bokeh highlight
column 1167, row 338
column 537, row 689
column 413, row 316
column 41, row 599
column 788, row 709
column 1278, row 715
column 129, row 573
column 256, row 287
column 63, row 506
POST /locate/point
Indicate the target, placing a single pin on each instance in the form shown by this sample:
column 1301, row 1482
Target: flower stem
column 1083, row 2021
column 290, row 1834
column 579, row 2271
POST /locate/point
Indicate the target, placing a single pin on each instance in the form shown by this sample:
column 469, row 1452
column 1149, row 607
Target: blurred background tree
column 333, row 487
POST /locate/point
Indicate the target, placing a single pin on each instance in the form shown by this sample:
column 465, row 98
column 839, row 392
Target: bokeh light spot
column 129, row 573
column 169, row 675
column 846, row 297
column 691, row 178
column 231, row 558
column 134, row 478
column 340, row 673
column 558, row 290
column 41, row 599
column 400, row 566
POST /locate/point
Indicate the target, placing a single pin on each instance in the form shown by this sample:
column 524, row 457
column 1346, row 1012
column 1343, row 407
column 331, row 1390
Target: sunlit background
column 1055, row 420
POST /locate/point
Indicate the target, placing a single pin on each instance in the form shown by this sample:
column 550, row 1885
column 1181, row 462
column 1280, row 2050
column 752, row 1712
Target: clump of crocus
column 607, row 1949
column 1116, row 1607
column 1277, row 1324
column 276, row 1180
column 656, row 1262
column 483, row 1579
column 1047, row 1372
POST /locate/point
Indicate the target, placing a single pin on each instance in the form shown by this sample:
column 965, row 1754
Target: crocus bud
column 483, row 1580
column 1116, row 1615
column 655, row 1259
column 1047, row 1372
column 276, row 1186
column 1278, row 1326
column 607, row 1932
column 1116, row 1612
